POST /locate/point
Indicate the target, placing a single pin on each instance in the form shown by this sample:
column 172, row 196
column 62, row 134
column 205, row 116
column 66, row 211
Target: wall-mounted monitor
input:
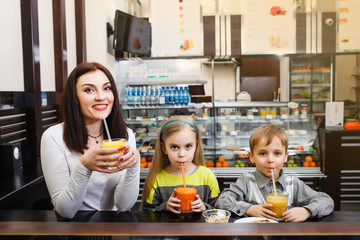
column 132, row 34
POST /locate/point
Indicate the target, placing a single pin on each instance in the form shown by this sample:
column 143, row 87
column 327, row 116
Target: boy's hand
column 173, row 203
column 261, row 211
column 296, row 214
column 198, row 205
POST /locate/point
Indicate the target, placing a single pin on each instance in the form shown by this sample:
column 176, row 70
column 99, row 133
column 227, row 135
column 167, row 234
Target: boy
column 268, row 150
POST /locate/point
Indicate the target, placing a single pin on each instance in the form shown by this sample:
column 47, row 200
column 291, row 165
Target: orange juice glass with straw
column 116, row 142
column 279, row 200
column 185, row 193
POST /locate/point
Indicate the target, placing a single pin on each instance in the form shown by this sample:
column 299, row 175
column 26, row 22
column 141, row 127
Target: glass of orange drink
column 186, row 195
column 116, row 142
column 279, row 202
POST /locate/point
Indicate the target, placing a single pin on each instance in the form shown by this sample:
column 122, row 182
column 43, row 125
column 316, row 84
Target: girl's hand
column 102, row 159
column 129, row 157
column 296, row 214
column 198, row 205
column 173, row 203
column 261, row 211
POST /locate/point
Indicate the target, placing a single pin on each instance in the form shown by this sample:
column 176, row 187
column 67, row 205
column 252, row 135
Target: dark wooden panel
column 80, row 31
column 261, row 65
column 328, row 40
column 49, row 121
column 49, row 114
column 10, row 129
column 209, row 35
column 7, row 112
column 12, row 120
column 13, row 137
column 260, row 88
column 300, row 32
column 31, row 65
column 235, row 35
column 59, row 24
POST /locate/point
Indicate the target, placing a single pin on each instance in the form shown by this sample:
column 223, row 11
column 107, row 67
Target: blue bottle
column 167, row 96
column 177, row 96
column 181, row 96
column 186, row 96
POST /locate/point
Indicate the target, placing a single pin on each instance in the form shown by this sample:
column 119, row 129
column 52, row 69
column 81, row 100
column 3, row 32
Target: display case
column 226, row 128
column 235, row 122
column 146, row 122
column 311, row 82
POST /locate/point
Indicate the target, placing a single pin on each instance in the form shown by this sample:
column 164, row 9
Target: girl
column 179, row 142
column 76, row 169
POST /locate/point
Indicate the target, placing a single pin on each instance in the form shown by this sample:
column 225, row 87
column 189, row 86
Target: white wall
column 11, row 60
column 46, row 42
column 98, row 13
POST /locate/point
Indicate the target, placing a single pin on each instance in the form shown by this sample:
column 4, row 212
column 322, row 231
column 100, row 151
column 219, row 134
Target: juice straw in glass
column 183, row 174
column 273, row 180
column 107, row 129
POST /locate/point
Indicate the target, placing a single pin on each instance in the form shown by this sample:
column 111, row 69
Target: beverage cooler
column 312, row 82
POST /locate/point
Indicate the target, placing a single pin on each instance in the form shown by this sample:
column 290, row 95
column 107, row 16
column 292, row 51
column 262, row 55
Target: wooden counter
column 138, row 223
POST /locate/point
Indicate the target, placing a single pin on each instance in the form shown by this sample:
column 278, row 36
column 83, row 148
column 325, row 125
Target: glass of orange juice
column 186, row 195
column 279, row 202
column 116, row 142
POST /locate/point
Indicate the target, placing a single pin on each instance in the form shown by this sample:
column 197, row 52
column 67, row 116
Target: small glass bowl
column 216, row 216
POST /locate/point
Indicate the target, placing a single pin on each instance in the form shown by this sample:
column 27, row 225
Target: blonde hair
column 268, row 132
column 160, row 160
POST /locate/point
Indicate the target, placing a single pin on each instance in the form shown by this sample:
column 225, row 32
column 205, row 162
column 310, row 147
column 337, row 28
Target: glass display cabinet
column 311, row 81
column 226, row 129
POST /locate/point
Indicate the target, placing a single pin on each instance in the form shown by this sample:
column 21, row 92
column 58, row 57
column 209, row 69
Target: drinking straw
column 273, row 180
column 107, row 129
column 183, row 174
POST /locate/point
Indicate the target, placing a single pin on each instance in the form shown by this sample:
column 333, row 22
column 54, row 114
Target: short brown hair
column 268, row 132
column 75, row 134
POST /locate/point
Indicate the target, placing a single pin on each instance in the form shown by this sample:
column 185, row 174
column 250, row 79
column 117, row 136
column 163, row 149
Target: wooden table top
column 138, row 223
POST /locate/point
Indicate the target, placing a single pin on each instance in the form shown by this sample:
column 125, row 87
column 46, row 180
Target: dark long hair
column 75, row 134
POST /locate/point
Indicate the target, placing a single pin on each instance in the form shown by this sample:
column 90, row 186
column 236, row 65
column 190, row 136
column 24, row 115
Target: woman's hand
column 108, row 160
column 198, row 205
column 129, row 157
column 173, row 203
column 261, row 211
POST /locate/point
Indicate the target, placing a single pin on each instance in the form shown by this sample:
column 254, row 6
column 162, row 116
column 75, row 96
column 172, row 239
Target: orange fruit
column 218, row 164
column 148, row 164
column 225, row 164
column 221, row 159
column 143, row 165
column 210, row 164
column 312, row 164
column 308, row 159
column 142, row 160
column 306, row 164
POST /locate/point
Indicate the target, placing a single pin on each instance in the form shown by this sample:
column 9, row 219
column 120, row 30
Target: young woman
column 179, row 142
column 76, row 169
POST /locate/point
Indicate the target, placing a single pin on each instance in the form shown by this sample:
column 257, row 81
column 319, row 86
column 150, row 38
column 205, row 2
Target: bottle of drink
column 186, row 96
column 126, row 100
column 157, row 95
column 147, row 97
column 167, row 95
column 152, row 96
column 162, row 96
column 181, row 96
column 143, row 96
column 172, row 96
column 177, row 96
column 131, row 96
